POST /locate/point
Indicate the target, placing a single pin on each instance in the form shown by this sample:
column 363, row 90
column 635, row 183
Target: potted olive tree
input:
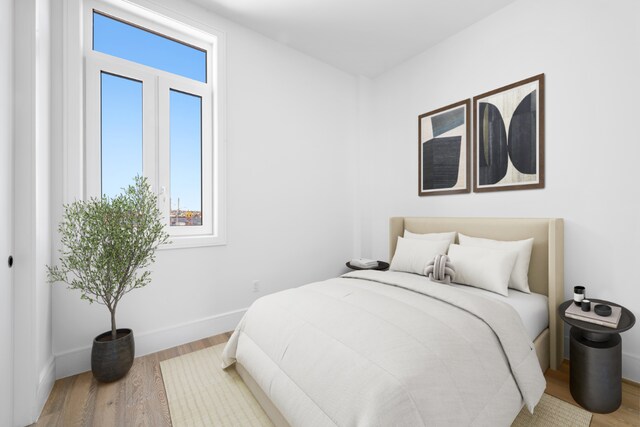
column 106, row 245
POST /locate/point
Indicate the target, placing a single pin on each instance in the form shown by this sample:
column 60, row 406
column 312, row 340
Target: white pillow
column 519, row 279
column 483, row 268
column 413, row 255
column 451, row 236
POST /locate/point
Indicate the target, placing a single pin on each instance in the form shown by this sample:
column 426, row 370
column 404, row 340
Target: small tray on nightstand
column 381, row 266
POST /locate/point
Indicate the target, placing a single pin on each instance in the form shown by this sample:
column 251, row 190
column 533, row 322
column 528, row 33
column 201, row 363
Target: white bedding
column 533, row 308
column 388, row 349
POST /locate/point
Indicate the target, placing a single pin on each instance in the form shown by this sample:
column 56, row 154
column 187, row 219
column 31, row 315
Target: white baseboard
column 79, row 360
column 631, row 367
column 630, row 362
column 45, row 385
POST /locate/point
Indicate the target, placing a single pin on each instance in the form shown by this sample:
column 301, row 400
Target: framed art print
column 508, row 137
column 443, row 150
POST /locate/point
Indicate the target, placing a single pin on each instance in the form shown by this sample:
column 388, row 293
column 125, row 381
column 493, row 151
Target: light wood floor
column 139, row 399
column 628, row 414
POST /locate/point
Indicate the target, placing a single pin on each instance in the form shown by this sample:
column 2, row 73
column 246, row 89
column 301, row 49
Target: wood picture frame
column 508, row 137
column 443, row 150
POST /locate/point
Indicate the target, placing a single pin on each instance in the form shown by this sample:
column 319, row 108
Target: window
column 120, row 131
column 149, row 109
column 185, row 140
column 127, row 41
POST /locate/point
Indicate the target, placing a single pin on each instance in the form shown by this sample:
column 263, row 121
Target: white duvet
column 388, row 349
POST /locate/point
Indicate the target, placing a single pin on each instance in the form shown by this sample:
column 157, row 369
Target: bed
column 391, row 348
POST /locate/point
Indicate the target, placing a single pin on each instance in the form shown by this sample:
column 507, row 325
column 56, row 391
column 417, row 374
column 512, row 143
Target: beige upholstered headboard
column 546, row 270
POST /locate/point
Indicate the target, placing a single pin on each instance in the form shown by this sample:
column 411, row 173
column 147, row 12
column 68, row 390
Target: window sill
column 185, row 242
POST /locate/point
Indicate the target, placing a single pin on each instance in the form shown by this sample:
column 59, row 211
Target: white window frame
column 156, row 86
column 189, row 87
column 93, row 72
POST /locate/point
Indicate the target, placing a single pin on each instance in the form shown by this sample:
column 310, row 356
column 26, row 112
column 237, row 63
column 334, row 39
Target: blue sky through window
column 121, row 132
column 125, row 41
column 186, row 150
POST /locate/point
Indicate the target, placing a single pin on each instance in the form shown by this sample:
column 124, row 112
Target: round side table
column 596, row 360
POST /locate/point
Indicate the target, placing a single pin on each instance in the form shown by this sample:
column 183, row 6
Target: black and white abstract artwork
column 509, row 137
column 443, row 153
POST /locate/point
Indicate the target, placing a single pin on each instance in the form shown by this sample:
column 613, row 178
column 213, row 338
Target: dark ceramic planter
column 112, row 359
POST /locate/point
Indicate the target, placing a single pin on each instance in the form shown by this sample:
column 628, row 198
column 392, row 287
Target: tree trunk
column 114, row 334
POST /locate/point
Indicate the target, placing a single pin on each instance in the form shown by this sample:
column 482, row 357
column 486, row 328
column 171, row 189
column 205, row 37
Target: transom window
column 127, row 41
column 149, row 111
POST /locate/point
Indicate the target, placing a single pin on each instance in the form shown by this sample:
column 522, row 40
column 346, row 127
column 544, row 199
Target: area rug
column 553, row 412
column 200, row 393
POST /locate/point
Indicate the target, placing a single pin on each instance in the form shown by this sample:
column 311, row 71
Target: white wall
column 32, row 296
column 6, row 215
column 291, row 131
column 588, row 51
column 42, row 172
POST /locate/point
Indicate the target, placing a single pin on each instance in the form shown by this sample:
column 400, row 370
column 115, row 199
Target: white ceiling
column 363, row 37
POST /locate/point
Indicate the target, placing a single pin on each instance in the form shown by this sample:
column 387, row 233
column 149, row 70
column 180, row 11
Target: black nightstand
column 596, row 360
column 381, row 266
